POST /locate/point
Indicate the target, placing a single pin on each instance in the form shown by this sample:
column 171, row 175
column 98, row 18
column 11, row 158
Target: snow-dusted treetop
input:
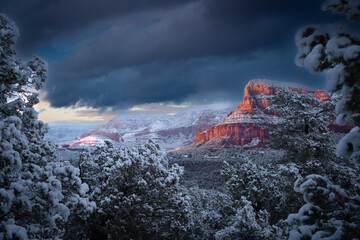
column 33, row 203
column 349, row 7
column 337, row 51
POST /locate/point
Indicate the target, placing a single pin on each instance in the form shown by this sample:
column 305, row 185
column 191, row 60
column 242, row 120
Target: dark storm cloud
column 41, row 21
column 159, row 51
column 203, row 80
column 195, row 29
column 183, row 32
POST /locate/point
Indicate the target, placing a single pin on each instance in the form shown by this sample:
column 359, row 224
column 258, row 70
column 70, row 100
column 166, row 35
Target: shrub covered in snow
column 268, row 188
column 248, row 224
column 138, row 195
column 211, row 211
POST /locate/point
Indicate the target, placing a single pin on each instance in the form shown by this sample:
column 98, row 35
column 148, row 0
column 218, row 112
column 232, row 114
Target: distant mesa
column 249, row 125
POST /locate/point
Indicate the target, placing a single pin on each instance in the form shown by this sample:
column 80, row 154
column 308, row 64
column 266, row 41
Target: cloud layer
column 125, row 53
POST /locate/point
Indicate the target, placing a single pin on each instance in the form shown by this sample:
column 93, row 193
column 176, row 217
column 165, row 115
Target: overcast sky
column 123, row 53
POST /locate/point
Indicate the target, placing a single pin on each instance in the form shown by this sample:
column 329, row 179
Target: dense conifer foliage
column 137, row 193
column 336, row 50
column 37, row 194
column 329, row 211
column 304, row 133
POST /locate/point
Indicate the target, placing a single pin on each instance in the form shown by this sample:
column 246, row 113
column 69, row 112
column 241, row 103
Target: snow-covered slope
column 169, row 131
column 92, row 140
column 65, row 134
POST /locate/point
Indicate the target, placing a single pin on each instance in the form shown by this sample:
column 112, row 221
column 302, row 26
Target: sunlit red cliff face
column 257, row 91
column 249, row 125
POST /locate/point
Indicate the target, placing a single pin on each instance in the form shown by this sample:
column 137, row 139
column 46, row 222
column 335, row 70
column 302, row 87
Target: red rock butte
column 250, row 123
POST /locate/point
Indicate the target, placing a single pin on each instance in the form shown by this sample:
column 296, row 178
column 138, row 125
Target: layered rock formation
column 249, row 125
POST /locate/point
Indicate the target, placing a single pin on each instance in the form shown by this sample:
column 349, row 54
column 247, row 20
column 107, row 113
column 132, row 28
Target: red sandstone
column 254, row 102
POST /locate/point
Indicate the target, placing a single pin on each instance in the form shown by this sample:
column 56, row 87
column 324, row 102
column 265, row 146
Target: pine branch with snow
column 328, row 213
column 337, row 51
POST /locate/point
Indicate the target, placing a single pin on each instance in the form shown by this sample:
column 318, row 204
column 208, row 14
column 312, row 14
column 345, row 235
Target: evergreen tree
column 138, row 195
column 337, row 51
column 351, row 8
column 247, row 224
column 268, row 188
column 33, row 204
column 211, row 211
column 328, row 213
column 304, row 133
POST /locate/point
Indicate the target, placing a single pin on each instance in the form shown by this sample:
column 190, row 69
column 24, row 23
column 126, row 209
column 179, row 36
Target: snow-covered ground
column 65, row 134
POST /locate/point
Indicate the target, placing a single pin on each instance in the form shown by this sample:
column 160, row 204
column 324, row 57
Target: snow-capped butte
column 250, row 123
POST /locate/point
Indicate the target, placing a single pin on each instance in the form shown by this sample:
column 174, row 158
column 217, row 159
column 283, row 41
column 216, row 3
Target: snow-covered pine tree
column 304, row 133
column 211, row 211
column 137, row 194
column 247, row 224
column 33, row 203
column 351, row 8
column 270, row 196
column 329, row 211
column 337, row 51
column 268, row 188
